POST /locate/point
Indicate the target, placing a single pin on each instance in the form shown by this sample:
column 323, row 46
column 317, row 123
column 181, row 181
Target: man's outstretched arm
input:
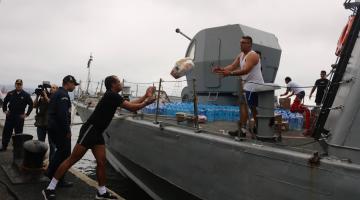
column 251, row 61
column 149, row 93
column 131, row 106
column 234, row 65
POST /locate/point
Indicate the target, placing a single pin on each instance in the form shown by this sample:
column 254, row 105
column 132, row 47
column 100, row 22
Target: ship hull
column 214, row 167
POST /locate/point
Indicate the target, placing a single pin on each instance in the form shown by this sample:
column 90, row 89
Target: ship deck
column 292, row 140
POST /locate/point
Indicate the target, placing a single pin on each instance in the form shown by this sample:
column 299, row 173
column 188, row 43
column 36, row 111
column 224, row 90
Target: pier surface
column 84, row 188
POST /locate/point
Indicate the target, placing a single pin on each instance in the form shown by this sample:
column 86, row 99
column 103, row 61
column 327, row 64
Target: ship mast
column 88, row 76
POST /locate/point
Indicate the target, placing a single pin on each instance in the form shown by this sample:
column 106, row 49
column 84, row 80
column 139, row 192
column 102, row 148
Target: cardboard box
column 278, row 119
column 251, row 124
column 285, row 103
column 285, row 126
column 180, row 116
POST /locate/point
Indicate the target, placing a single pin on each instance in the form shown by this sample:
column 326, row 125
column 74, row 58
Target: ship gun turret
column 219, row 46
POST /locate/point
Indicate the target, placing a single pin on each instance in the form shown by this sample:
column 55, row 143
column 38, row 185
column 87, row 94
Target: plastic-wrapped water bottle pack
column 295, row 120
column 212, row 112
column 221, row 113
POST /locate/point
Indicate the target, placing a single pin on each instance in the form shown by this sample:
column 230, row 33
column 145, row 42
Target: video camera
column 42, row 87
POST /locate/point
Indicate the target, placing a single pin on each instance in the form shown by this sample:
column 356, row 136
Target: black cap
column 70, row 79
column 19, row 81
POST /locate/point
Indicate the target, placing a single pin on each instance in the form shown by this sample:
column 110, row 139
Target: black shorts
column 318, row 99
column 90, row 137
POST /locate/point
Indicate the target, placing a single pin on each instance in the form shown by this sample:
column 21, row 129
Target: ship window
column 191, row 50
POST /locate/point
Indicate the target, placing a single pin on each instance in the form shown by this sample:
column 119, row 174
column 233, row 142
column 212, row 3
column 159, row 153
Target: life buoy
column 344, row 35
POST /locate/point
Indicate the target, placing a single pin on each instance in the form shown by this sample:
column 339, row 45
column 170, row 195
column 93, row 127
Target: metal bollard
column 34, row 153
column 18, row 150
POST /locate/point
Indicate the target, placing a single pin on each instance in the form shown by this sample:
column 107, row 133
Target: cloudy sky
column 45, row 40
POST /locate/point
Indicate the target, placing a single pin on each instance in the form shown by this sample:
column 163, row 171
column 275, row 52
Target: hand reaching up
column 150, row 91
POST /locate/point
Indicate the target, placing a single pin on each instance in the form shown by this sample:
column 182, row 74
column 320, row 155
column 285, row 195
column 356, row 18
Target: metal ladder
column 211, row 98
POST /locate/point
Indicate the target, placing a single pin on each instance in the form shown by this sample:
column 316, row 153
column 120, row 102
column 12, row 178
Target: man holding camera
column 14, row 106
column 59, row 120
column 41, row 104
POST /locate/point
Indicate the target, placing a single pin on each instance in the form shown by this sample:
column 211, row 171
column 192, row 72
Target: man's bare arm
column 292, row 93
column 130, row 106
column 312, row 91
column 138, row 100
column 287, row 92
column 235, row 64
column 220, row 70
column 251, row 61
column 149, row 93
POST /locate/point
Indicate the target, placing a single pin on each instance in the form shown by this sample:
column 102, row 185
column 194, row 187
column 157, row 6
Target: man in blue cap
column 59, row 120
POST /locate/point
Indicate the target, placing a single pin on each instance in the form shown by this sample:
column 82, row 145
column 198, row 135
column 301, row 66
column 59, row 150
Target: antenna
column 181, row 33
column 90, row 60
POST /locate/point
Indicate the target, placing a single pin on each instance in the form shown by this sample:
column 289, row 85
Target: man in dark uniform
column 16, row 101
column 59, row 120
column 320, row 85
column 91, row 134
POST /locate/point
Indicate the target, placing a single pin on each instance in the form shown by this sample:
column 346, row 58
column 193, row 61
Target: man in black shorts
column 320, row 85
column 91, row 134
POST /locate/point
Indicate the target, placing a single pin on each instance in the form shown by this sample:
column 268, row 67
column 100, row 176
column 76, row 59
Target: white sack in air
column 182, row 67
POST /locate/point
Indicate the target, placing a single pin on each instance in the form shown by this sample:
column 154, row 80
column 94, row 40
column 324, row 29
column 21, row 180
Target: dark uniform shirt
column 41, row 117
column 105, row 110
column 59, row 111
column 18, row 102
column 321, row 86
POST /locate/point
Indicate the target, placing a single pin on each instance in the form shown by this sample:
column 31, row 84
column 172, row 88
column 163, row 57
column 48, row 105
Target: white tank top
column 254, row 75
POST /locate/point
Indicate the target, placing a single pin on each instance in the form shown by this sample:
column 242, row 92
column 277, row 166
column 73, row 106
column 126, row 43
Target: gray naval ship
column 173, row 161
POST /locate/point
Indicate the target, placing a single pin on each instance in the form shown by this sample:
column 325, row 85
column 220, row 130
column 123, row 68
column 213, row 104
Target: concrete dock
column 84, row 188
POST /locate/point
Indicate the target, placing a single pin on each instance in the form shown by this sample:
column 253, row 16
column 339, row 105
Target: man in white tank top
column 247, row 65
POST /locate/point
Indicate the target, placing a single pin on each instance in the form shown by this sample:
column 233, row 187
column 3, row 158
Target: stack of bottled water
column 221, row 113
column 295, row 120
column 299, row 122
column 212, row 112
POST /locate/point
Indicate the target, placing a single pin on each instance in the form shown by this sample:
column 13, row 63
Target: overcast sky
column 45, row 40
